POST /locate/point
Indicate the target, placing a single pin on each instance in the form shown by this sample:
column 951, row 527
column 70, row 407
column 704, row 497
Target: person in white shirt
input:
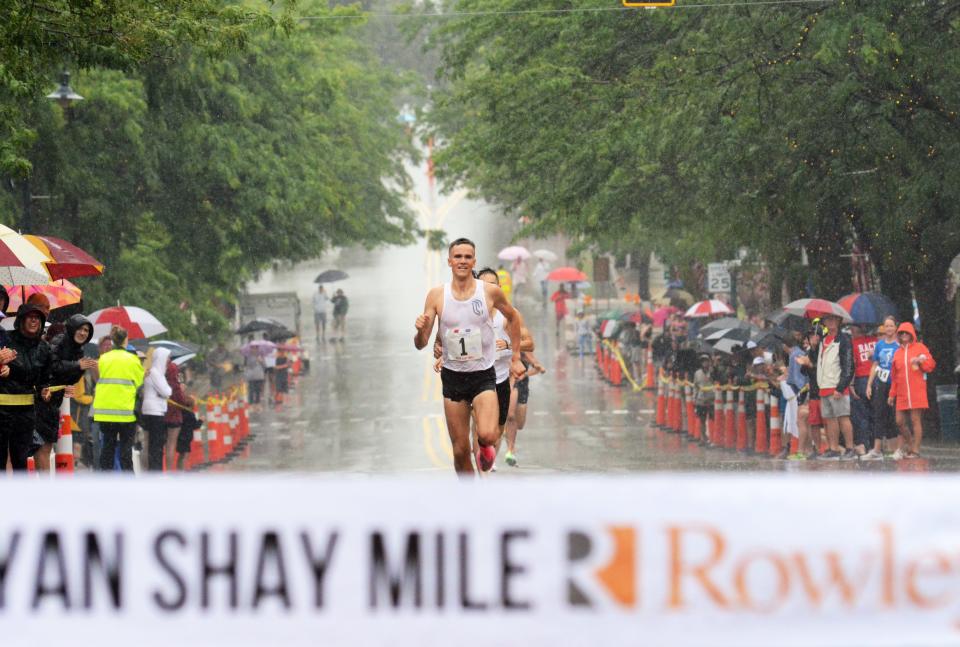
column 321, row 306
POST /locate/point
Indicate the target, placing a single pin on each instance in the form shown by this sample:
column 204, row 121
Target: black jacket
column 31, row 369
column 65, row 370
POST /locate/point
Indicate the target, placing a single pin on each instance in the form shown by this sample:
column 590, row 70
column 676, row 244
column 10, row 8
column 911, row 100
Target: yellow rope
column 623, row 366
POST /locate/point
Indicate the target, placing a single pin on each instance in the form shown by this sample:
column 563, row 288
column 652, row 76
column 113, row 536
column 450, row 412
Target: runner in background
column 517, row 420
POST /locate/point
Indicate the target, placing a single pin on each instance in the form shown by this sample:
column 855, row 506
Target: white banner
column 660, row 560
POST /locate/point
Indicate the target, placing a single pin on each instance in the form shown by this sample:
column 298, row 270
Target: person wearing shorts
column 811, row 436
column 834, row 376
column 464, row 308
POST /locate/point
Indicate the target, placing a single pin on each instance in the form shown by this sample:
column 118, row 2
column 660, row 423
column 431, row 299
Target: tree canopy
column 694, row 131
column 212, row 141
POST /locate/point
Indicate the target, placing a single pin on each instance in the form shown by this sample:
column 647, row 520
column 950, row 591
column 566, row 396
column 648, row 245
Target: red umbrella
column 66, row 259
column 813, row 308
column 566, row 274
column 59, row 294
column 708, row 309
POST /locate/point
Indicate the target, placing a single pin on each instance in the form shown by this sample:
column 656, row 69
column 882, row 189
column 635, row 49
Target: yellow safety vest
column 506, row 282
column 121, row 374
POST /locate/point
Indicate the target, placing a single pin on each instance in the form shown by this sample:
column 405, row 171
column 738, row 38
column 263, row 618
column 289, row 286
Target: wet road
column 372, row 403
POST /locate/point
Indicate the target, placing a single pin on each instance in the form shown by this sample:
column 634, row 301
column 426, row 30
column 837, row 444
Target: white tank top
column 466, row 332
column 502, row 363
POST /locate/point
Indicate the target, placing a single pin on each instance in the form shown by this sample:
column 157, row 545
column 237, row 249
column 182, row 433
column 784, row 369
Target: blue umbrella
column 868, row 307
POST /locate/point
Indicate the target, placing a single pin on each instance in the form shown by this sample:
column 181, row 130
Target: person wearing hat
column 22, row 375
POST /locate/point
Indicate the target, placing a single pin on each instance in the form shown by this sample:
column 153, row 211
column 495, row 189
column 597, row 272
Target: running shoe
column 848, row 455
column 486, row 457
column 797, row 457
column 784, row 453
column 872, row 455
column 830, row 455
column 898, row 455
column 812, row 456
column 511, row 459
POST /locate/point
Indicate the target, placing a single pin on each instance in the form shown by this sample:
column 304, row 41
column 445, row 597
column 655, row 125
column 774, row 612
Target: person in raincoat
column 908, row 389
column 67, row 367
column 179, row 400
column 25, row 367
column 114, row 401
column 156, row 390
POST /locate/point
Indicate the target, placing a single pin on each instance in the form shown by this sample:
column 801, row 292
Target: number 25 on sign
column 662, row 3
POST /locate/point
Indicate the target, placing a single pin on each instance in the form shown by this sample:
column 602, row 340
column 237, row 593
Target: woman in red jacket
column 908, row 389
column 174, row 415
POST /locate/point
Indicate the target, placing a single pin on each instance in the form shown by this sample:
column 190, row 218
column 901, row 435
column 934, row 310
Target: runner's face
column 461, row 260
column 492, row 279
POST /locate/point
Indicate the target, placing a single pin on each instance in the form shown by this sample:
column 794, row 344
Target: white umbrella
column 514, row 253
column 138, row 322
column 545, row 255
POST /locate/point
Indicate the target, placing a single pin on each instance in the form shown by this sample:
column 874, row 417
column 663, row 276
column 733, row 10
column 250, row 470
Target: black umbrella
column 788, row 321
column 260, row 324
column 723, row 323
column 330, row 276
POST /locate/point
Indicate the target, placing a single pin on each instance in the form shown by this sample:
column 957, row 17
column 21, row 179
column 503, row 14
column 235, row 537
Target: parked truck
column 282, row 306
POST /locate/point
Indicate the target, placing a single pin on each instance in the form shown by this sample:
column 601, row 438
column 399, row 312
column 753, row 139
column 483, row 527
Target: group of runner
column 484, row 355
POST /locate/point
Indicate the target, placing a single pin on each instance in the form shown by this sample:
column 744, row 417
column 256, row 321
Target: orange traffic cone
column 730, row 421
column 761, row 446
column 742, row 422
column 692, row 428
column 776, row 430
column 794, row 444
column 31, row 466
column 226, row 418
column 63, row 459
column 650, row 381
column 661, row 419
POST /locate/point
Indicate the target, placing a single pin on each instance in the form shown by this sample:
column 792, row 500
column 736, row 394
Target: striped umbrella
column 59, row 293
column 20, row 262
column 708, row 309
column 138, row 322
column 65, row 260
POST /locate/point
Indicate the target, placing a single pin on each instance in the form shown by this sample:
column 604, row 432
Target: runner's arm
column 526, row 340
column 425, row 321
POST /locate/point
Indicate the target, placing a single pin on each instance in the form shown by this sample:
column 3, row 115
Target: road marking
column 428, row 443
column 541, row 413
column 647, row 411
column 620, row 412
column 444, row 436
column 357, row 420
column 591, row 412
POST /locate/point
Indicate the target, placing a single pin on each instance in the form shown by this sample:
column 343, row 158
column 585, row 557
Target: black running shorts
column 503, row 398
column 523, row 390
column 464, row 387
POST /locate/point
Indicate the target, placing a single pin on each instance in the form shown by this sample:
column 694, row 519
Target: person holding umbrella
column 908, row 389
column 321, row 306
column 253, row 373
column 834, row 376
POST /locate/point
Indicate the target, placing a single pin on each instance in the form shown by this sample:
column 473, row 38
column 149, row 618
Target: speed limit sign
column 718, row 277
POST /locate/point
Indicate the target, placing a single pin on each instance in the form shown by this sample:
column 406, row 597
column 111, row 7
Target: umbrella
column 183, row 359
column 708, row 309
column 514, row 253
column 679, row 298
column 138, row 322
column 177, row 348
column 331, row 276
column 60, row 294
column 868, row 308
column 260, row 324
column 20, row 262
column 788, row 321
column 771, row 337
column 611, row 314
column 638, row 316
column 728, row 346
column 257, row 347
column 812, row 308
column 67, row 261
column 740, row 335
column 545, row 255
column 566, row 274
column 660, row 315
column 722, row 324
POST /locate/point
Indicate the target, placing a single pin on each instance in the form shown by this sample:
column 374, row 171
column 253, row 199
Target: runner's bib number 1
column 463, row 344
column 883, row 374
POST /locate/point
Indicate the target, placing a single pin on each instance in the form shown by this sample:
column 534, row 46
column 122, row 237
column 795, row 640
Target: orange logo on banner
column 619, row 576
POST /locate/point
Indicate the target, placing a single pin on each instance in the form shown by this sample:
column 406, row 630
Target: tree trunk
column 642, row 262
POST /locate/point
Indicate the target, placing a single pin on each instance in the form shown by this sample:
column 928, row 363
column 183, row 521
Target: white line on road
column 646, row 411
column 591, row 412
column 541, row 413
column 620, row 412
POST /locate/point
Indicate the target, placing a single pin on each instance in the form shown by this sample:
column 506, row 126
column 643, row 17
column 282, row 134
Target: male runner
column 464, row 307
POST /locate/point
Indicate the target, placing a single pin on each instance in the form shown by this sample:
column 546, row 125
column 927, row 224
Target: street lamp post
column 64, row 95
